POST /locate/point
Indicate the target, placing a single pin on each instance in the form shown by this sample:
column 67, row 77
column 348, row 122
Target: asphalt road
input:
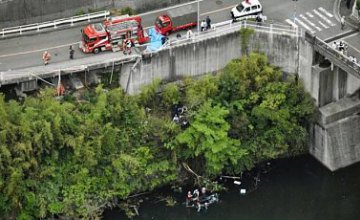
column 26, row 51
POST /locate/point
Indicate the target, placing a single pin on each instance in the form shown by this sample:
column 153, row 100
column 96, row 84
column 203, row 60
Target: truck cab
column 94, row 37
column 246, row 8
column 176, row 19
column 163, row 25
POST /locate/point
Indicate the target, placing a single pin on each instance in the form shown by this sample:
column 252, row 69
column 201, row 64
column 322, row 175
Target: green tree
column 206, row 140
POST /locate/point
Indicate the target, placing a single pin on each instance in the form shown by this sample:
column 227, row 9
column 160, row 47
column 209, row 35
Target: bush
column 358, row 4
column 128, row 10
column 80, row 12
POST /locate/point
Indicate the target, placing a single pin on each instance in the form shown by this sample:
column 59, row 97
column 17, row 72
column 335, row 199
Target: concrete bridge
column 330, row 77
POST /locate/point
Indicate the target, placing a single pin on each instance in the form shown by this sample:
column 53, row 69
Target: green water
column 298, row 188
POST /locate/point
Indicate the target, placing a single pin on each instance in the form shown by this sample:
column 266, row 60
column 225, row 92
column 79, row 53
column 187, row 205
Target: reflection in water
column 298, row 188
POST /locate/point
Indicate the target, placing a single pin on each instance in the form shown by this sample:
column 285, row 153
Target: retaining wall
column 212, row 54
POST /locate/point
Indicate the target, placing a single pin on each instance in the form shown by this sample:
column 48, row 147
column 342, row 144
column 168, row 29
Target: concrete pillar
column 322, row 80
column 342, row 83
column 326, row 82
column 335, row 91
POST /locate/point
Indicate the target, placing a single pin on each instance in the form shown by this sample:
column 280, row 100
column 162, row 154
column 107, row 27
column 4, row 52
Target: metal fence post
column 88, row 17
column 20, row 30
column 38, row 27
column 3, row 33
column 55, row 24
column 72, row 21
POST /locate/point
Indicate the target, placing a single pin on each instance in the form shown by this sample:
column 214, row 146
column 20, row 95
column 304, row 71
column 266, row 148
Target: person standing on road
column 71, row 52
column 46, row 57
column 208, row 22
column 189, row 34
column 342, row 22
column 203, row 25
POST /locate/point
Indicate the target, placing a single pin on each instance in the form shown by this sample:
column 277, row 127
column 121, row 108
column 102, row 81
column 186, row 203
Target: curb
column 339, row 36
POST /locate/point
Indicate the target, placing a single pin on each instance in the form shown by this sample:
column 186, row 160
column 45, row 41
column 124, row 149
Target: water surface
column 294, row 189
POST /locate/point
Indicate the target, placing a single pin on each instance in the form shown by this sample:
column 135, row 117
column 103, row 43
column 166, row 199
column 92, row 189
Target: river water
column 290, row 189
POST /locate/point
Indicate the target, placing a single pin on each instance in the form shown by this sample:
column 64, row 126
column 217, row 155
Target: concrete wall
column 20, row 12
column 337, row 145
column 212, row 54
column 306, row 53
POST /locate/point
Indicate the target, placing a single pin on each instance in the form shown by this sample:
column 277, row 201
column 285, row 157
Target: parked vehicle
column 246, row 8
column 110, row 34
column 176, row 19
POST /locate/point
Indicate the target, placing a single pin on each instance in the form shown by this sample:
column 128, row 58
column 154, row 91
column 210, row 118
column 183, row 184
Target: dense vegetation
column 69, row 158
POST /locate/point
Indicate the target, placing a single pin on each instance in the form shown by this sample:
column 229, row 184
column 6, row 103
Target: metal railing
column 229, row 26
column 53, row 24
column 334, row 55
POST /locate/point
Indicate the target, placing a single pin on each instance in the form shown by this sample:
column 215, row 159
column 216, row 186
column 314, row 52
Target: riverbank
column 295, row 189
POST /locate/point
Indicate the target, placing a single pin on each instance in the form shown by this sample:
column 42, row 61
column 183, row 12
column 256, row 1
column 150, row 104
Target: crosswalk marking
column 291, row 23
column 326, row 12
column 309, row 14
column 309, row 22
column 304, row 25
column 323, row 25
column 323, row 17
column 315, row 20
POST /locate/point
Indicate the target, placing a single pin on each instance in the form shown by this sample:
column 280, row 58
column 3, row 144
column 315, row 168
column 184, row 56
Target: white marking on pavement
column 349, row 45
column 172, row 7
column 309, row 14
column 304, row 25
column 151, row 12
column 322, row 24
column 309, row 22
column 326, row 12
column 291, row 23
column 221, row 9
column 323, row 17
column 39, row 50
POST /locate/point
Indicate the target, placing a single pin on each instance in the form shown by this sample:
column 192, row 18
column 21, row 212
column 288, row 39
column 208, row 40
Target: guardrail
column 54, row 24
column 229, row 26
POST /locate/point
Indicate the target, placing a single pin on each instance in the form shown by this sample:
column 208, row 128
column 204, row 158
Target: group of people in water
column 199, row 200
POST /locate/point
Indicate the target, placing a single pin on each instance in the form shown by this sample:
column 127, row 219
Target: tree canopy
column 74, row 159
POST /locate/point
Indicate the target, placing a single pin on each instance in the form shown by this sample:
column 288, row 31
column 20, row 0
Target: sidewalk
column 349, row 13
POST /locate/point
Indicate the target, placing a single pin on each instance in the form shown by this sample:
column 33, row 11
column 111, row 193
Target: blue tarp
column 156, row 40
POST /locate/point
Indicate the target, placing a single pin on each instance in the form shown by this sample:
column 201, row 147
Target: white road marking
column 349, row 45
column 326, row 12
column 164, row 9
column 323, row 25
column 221, row 9
column 291, row 23
column 309, row 14
column 309, row 22
column 304, row 25
column 323, row 17
column 39, row 50
column 156, row 11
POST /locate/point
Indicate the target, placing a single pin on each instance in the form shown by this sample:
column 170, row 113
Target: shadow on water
column 298, row 188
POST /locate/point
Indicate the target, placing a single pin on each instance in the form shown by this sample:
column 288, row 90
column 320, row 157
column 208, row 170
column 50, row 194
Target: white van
column 245, row 8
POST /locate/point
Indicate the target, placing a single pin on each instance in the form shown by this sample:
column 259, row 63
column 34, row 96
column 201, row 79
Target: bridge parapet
column 333, row 55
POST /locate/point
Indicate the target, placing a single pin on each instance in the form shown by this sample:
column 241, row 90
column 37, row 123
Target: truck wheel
column 96, row 50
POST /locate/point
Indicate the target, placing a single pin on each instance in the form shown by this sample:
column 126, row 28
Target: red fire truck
column 110, row 34
column 176, row 19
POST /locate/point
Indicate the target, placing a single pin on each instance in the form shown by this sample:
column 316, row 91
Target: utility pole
column 295, row 1
column 198, row 16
